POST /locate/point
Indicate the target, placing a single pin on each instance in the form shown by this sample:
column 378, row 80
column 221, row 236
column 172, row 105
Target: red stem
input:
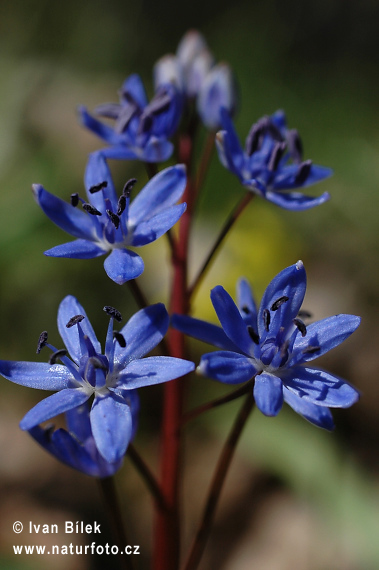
column 167, row 529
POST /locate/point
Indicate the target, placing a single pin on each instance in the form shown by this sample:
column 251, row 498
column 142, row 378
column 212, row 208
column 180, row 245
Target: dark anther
column 301, row 326
column 121, row 205
column 74, row 321
column 303, row 172
column 56, row 355
column 245, row 309
column 304, row 314
column 253, row 335
column 74, row 199
column 276, row 304
column 112, row 312
column 91, row 210
column 41, row 341
column 311, row 349
column 120, row 339
column 98, row 187
column 96, row 363
column 295, row 146
column 266, row 319
column 113, row 218
column 276, row 155
column 128, row 186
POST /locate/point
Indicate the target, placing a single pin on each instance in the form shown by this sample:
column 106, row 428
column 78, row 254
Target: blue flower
column 274, row 346
column 112, row 224
column 76, row 446
column 141, row 129
column 105, row 379
column 272, row 164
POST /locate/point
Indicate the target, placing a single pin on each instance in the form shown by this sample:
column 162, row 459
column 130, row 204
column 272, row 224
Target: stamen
column 121, row 205
column 42, row 341
column 91, row 210
column 253, row 335
column 114, row 219
column 276, row 155
column 74, row 320
column 120, row 339
column 96, row 363
column 301, row 326
column 276, row 304
column 98, row 187
column 58, row 354
column 284, row 348
column 303, row 172
column 266, row 319
column 303, row 314
column 74, row 199
column 112, row 312
column 311, row 349
column 128, row 186
column 245, row 309
column 295, row 146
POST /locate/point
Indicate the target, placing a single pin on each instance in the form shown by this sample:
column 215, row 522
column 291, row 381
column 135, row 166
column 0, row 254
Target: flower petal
column 150, row 230
column 68, row 308
column 295, row 201
column 133, row 85
column 162, row 191
column 268, row 394
column 100, row 129
column 156, row 150
column 97, row 171
column 122, row 265
column 153, row 370
column 227, row 367
column 320, row 416
column 70, row 219
column 325, row 335
column 319, row 387
column 111, row 422
column 231, row 320
column 207, row 332
column 143, row 332
column 78, row 249
column 39, row 375
column 246, row 304
column 287, row 177
column 53, row 405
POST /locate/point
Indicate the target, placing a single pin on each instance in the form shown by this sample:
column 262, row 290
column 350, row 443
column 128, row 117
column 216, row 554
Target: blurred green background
column 296, row 497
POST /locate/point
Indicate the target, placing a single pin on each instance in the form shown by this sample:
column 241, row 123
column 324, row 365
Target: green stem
column 217, row 484
column 147, row 476
column 138, row 294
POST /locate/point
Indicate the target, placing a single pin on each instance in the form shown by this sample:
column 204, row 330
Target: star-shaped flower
column 141, row 129
column 89, row 374
column 274, row 346
column 112, row 224
column 272, row 164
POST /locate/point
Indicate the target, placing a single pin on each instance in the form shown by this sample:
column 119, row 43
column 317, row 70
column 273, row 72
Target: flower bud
column 217, row 91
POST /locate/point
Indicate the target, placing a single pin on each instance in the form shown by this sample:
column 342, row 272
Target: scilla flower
column 271, row 165
column 274, row 346
column 105, row 379
column 110, row 224
column 141, row 129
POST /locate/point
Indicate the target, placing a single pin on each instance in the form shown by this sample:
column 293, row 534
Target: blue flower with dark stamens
column 104, row 378
column 274, row 346
column 141, row 129
column 76, row 446
column 112, row 224
column 272, row 164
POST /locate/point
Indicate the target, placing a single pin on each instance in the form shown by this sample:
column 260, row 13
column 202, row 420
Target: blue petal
column 227, row 367
column 68, row 308
column 152, row 229
column 153, row 370
column 231, row 320
column 134, row 86
column 52, row 406
column 78, row 422
column 70, row 219
column 161, row 192
column 78, row 249
column 97, row 171
column 325, row 334
column 144, row 330
column 286, row 178
column 246, row 304
column 120, row 152
column 268, row 394
column 317, row 415
column 295, row 200
column 291, row 282
column 212, row 334
column 39, row 375
column 319, row 387
column 122, row 265
column 100, row 129
column 156, row 150
column 111, row 422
